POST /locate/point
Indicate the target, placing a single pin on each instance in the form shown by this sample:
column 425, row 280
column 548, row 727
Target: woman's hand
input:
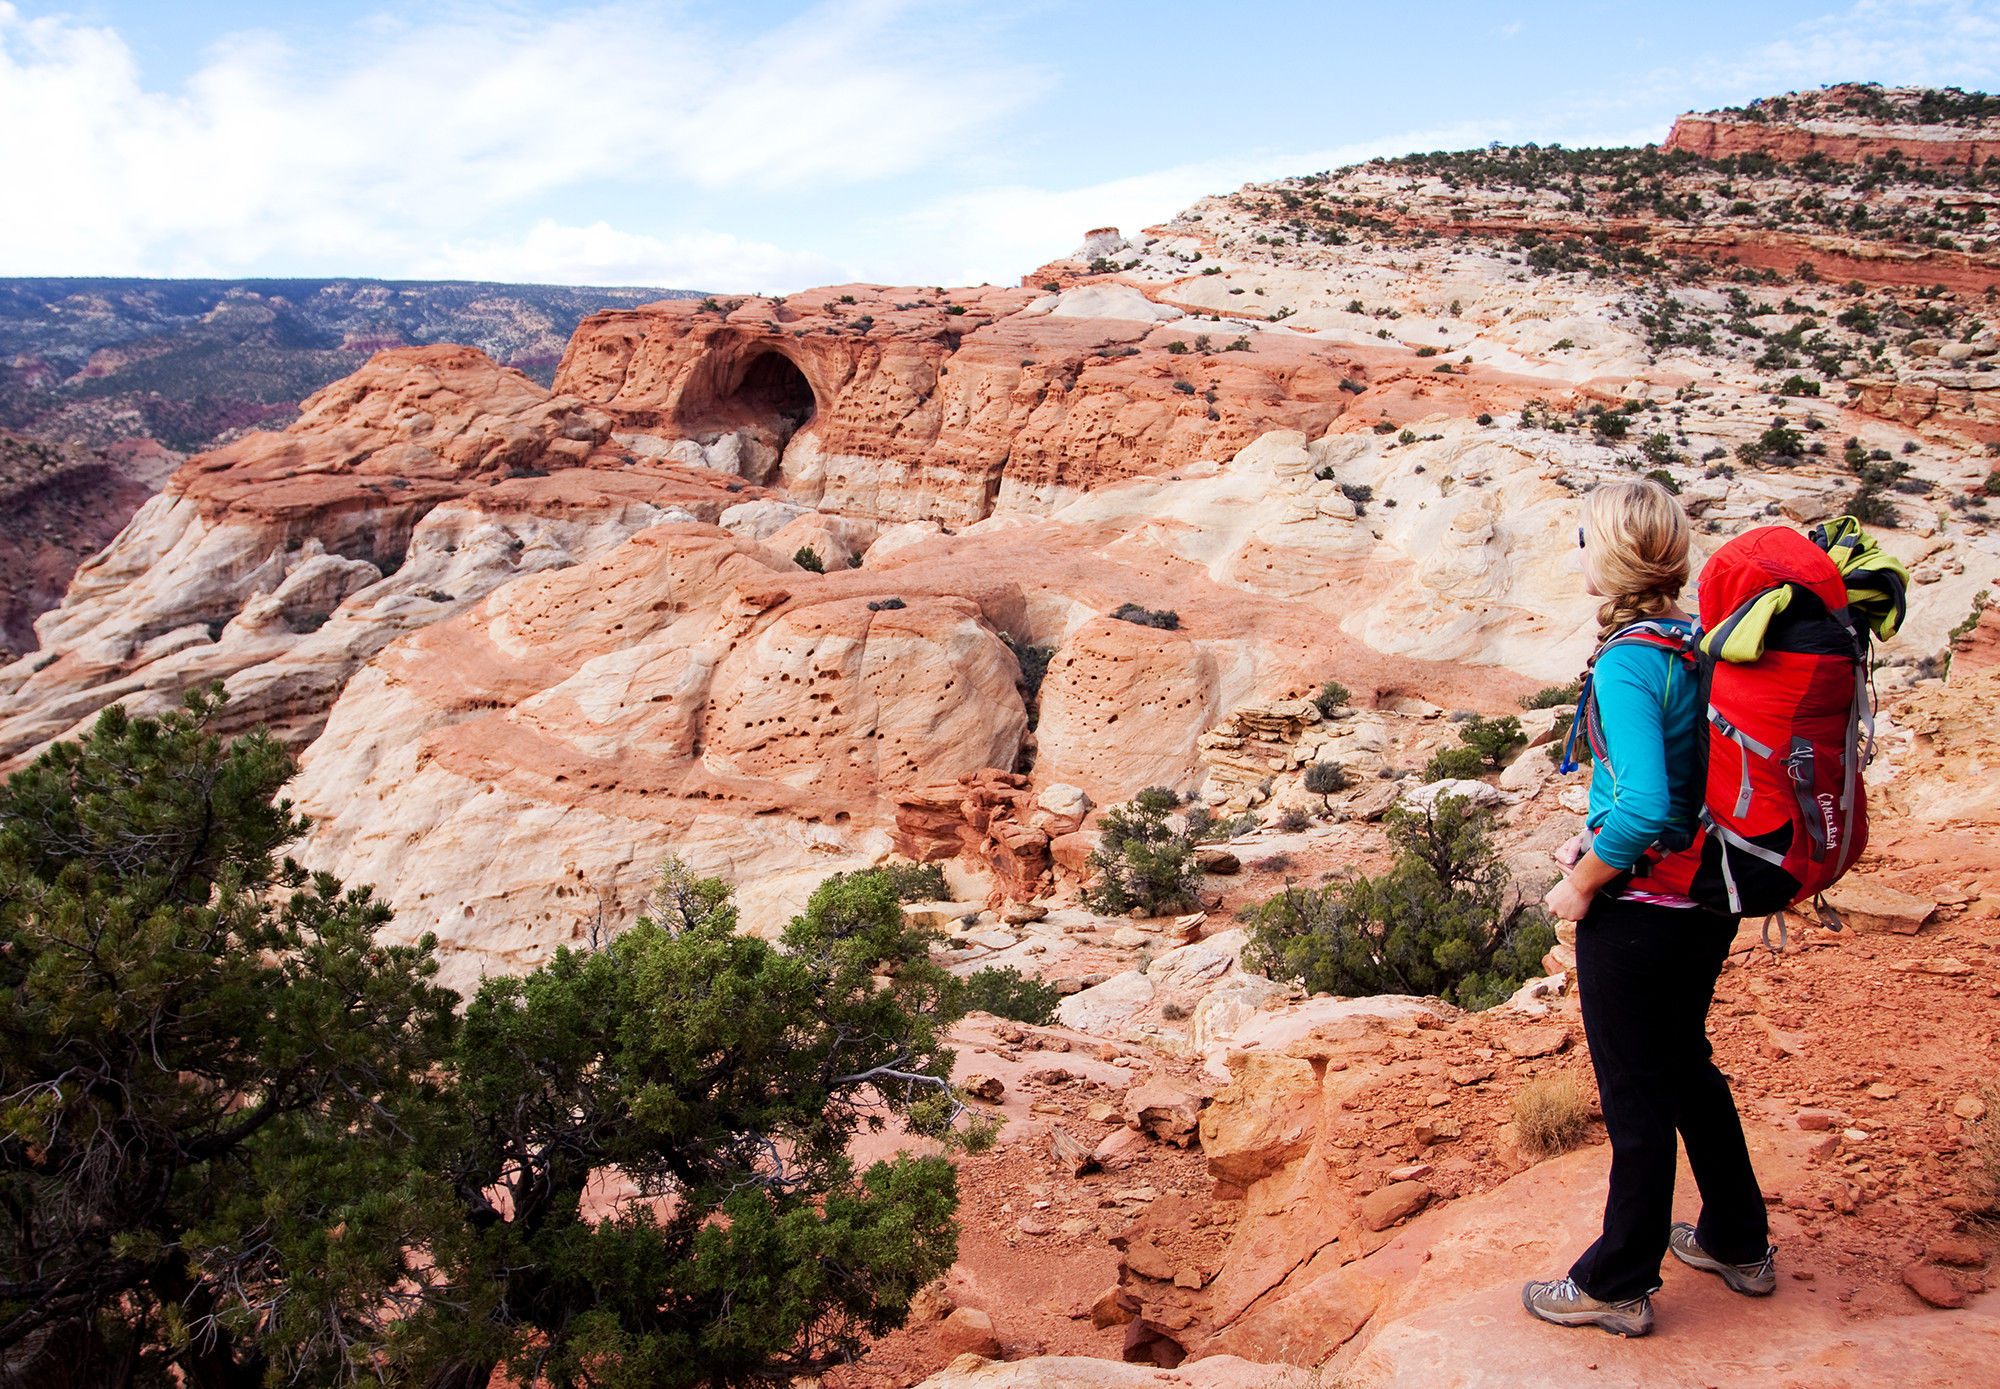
column 1570, row 850
column 1567, row 902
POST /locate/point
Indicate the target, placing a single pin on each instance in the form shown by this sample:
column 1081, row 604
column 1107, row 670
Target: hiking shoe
column 1752, row 1280
column 1561, row 1301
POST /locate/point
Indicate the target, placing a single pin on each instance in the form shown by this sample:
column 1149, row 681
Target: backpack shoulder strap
column 1647, row 632
column 1653, row 633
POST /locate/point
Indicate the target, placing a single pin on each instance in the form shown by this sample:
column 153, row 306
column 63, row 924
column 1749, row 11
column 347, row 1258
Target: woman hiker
column 1647, row 961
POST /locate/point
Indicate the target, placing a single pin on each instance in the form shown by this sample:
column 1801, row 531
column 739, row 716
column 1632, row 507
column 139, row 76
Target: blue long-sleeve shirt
column 1650, row 707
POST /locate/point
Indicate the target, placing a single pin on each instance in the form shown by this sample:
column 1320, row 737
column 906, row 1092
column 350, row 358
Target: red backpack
column 1781, row 653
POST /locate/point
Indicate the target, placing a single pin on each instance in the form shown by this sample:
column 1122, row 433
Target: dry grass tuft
column 1982, row 1137
column 1550, row 1114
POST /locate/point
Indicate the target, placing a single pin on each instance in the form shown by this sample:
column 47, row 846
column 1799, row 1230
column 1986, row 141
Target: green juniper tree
column 1143, row 861
column 723, row 1079
column 245, row 1141
column 209, row 1064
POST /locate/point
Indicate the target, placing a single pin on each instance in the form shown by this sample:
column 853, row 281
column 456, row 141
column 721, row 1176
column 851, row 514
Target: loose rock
column 1933, row 1285
column 968, row 1331
column 1383, row 1208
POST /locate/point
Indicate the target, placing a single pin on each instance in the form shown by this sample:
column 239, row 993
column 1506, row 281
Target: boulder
column 1120, row 1149
column 968, row 1331
column 1166, row 1110
column 1473, row 793
column 1526, row 1043
column 1527, row 774
column 1060, row 809
column 1105, row 1008
column 1072, row 851
column 1382, row 1208
column 1373, row 801
column 1148, row 1260
column 1113, row 1307
column 1213, row 858
column 1871, row 906
column 1934, row 1285
column 1263, row 1119
column 983, row 1087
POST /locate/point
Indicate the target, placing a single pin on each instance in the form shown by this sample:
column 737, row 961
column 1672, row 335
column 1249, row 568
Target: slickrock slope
column 1356, row 1198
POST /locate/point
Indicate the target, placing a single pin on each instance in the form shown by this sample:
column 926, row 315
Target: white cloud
column 1001, row 234
column 1897, row 42
column 485, row 140
column 418, row 133
column 600, row 254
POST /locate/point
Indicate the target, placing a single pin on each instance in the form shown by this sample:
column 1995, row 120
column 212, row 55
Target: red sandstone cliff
column 1717, row 136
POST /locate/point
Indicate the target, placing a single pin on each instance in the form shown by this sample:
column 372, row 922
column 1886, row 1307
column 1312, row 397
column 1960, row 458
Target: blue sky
column 767, row 146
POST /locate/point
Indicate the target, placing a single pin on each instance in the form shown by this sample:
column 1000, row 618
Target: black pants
column 1647, row 975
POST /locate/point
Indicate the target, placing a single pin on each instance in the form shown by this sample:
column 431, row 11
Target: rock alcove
column 743, row 404
column 773, row 393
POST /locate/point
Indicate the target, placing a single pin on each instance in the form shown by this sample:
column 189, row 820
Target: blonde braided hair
column 1635, row 552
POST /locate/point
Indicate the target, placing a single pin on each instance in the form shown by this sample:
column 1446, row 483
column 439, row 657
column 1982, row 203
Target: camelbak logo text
column 1825, row 800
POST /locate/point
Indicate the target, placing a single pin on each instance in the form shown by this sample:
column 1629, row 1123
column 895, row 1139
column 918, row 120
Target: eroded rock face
column 680, row 693
column 904, row 405
column 263, row 564
column 988, row 817
column 1850, row 142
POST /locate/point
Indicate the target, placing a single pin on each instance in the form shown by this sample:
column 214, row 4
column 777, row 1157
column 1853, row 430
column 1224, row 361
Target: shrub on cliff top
column 1439, row 922
column 1165, row 619
column 916, row 882
column 1455, row 764
column 1493, row 739
column 1324, row 779
column 1005, row 992
column 1142, row 861
column 1553, row 695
